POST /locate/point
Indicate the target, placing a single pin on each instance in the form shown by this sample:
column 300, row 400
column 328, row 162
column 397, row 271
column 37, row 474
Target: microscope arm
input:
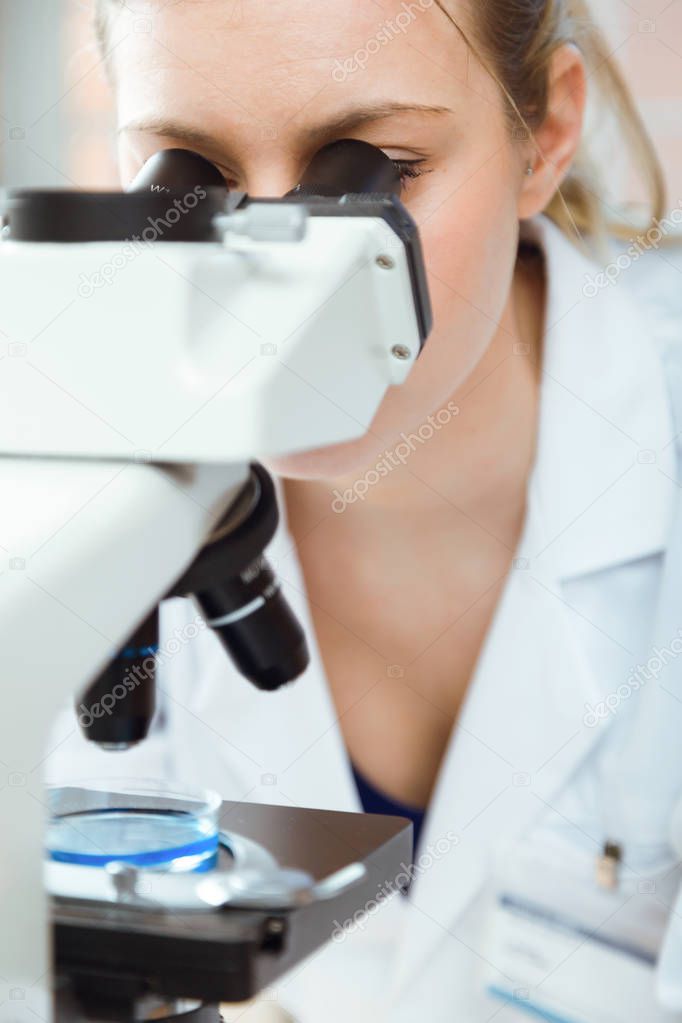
column 89, row 549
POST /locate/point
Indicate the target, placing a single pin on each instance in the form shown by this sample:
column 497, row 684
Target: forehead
column 282, row 58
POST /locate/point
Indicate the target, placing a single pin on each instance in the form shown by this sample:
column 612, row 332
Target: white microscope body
column 136, row 385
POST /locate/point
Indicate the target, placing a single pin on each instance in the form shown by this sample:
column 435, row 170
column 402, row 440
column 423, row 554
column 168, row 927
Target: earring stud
column 530, row 170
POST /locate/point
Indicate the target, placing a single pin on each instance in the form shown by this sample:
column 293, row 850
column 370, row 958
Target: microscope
column 159, row 343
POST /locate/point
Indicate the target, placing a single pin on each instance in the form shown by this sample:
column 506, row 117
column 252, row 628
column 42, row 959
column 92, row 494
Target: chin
column 333, row 462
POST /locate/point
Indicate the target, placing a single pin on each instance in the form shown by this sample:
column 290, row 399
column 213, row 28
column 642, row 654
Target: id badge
column 564, row 948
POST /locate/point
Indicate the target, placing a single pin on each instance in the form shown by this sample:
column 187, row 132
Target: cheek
column 470, row 268
column 470, row 243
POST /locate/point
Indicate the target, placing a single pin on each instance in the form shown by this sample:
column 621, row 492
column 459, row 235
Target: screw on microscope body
column 385, row 262
column 274, row 934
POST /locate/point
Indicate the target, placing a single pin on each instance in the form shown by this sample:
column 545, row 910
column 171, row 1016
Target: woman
column 477, row 614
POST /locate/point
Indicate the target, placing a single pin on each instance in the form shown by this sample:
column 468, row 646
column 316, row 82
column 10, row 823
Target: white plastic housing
column 202, row 352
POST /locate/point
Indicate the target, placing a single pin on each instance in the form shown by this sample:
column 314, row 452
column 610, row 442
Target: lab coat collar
column 604, row 459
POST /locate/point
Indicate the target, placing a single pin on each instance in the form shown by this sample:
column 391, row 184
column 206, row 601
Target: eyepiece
column 175, row 170
column 347, row 167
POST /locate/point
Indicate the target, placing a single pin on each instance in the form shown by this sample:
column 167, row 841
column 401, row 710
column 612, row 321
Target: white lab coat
column 531, row 766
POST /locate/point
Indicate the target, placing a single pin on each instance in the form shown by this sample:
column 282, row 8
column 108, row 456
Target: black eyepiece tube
column 116, row 710
column 172, row 170
column 159, row 200
column 347, row 167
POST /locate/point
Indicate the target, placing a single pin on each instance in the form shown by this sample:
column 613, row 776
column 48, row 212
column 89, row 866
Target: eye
column 410, row 169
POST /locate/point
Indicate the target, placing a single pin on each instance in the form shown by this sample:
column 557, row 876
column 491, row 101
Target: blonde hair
column 515, row 41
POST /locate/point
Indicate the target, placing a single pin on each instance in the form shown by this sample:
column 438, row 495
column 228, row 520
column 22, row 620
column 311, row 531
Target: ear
column 556, row 141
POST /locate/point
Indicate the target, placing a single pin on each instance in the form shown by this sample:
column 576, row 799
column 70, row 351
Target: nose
column 272, row 179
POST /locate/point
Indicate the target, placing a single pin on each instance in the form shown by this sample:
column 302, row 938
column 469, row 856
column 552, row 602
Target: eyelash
column 409, row 169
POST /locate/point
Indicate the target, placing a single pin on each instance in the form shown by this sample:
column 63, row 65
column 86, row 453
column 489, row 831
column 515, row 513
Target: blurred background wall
column 56, row 121
column 56, row 116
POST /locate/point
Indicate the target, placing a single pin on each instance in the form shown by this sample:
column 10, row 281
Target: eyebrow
column 353, row 118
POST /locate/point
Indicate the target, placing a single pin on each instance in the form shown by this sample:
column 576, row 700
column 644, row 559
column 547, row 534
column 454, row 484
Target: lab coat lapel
column 519, row 737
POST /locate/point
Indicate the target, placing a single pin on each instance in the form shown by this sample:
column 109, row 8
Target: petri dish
column 148, row 823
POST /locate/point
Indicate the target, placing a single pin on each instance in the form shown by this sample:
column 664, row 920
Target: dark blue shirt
column 374, row 801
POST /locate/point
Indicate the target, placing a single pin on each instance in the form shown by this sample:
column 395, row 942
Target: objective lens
column 116, row 710
column 239, row 594
column 256, row 626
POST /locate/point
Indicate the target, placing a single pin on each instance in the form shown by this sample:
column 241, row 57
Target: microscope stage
column 230, row 954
